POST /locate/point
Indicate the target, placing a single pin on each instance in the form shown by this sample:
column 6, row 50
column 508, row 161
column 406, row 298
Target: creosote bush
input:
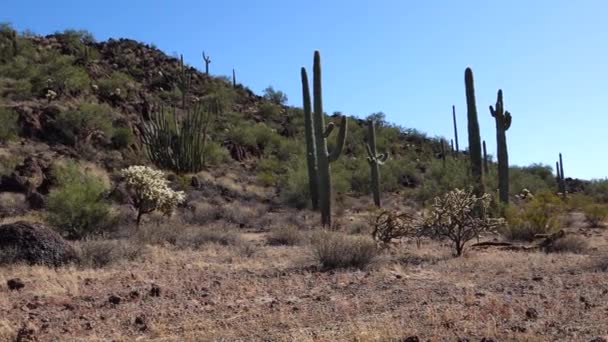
column 76, row 206
column 150, row 191
column 337, row 250
column 541, row 214
column 595, row 214
column 285, row 236
column 454, row 216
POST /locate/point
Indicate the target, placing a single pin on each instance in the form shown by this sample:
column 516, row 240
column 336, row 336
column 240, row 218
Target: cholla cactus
column 150, row 191
column 50, row 95
column 454, row 216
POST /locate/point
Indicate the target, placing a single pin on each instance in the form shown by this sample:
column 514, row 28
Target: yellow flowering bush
column 150, row 191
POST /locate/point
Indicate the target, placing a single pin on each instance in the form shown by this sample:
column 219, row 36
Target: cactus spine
column 375, row 160
column 455, row 127
column 474, row 137
column 311, row 147
column 324, row 158
column 503, row 122
column 486, row 169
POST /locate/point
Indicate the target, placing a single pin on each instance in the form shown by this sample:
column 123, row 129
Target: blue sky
column 405, row 58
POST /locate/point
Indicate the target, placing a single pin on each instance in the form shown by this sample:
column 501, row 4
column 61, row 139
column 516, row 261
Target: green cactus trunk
column 324, row 158
column 474, row 136
column 486, row 168
column 503, row 122
column 558, row 177
column 455, row 127
column 375, row 160
column 233, row 79
column 562, row 182
column 311, row 149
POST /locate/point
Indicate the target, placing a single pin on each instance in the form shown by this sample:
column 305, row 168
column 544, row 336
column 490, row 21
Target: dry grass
column 285, row 236
column 248, row 290
column 336, row 250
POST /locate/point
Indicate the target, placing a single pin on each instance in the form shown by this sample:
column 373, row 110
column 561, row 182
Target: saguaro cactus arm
column 337, row 151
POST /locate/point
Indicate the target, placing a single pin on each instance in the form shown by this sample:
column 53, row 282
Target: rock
column 195, row 182
column 36, row 200
column 28, row 176
column 35, row 243
column 155, row 291
column 532, row 313
column 113, row 299
column 15, row 284
column 27, row 333
column 411, row 339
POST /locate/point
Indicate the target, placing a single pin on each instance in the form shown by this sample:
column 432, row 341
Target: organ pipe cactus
column 320, row 133
column 474, row 136
column 375, row 160
column 503, row 122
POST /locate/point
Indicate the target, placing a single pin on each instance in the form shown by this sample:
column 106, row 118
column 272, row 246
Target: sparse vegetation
column 542, row 214
column 285, row 236
column 595, row 214
column 336, row 250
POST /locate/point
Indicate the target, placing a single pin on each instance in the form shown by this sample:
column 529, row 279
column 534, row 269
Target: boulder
column 35, row 243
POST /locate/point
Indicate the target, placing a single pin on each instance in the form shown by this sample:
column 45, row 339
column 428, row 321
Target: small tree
column 150, row 191
column 275, row 96
column 455, row 216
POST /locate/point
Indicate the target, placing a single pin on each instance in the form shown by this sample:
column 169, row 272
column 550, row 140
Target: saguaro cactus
column 562, row 182
column 375, row 160
column 320, row 132
column 455, row 127
column 503, row 122
column 474, row 136
column 311, row 147
column 558, row 177
column 486, row 169
column 233, row 79
column 207, row 60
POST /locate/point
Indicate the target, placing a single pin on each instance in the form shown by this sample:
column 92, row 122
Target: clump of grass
column 186, row 237
column 569, row 244
column 337, row 250
column 285, row 236
column 103, row 253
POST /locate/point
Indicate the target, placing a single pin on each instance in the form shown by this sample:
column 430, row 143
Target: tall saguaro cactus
column 207, row 61
column 474, row 136
column 455, row 127
column 503, row 122
column 233, row 79
column 375, row 160
column 311, row 147
column 562, row 179
column 320, row 133
column 486, row 169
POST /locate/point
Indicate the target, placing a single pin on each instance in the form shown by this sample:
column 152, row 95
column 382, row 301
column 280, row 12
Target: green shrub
column 598, row 190
column 122, row 138
column 10, row 127
column 77, row 207
column 438, row 180
column 543, row 214
column 215, row 153
column 74, row 125
column 270, row 111
column 295, row 191
column 595, row 214
column 277, row 97
column 116, row 84
column 337, row 250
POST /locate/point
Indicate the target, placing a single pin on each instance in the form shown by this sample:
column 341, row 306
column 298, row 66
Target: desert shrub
column 116, row 85
column 598, row 190
column 578, row 201
column 204, row 213
column 389, row 225
column 122, row 137
column 77, row 207
column 337, row 250
column 215, row 153
column 150, row 191
column 459, row 216
column 439, row 179
column 270, row 111
column 284, row 236
column 295, row 192
column 10, row 127
column 277, row 97
column 75, row 125
column 101, row 253
column 196, row 238
column 58, row 73
column 535, row 178
column 185, row 237
column 595, row 214
column 568, row 244
column 541, row 214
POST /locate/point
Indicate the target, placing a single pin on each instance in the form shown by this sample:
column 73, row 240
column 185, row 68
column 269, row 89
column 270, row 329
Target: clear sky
column 405, row 58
